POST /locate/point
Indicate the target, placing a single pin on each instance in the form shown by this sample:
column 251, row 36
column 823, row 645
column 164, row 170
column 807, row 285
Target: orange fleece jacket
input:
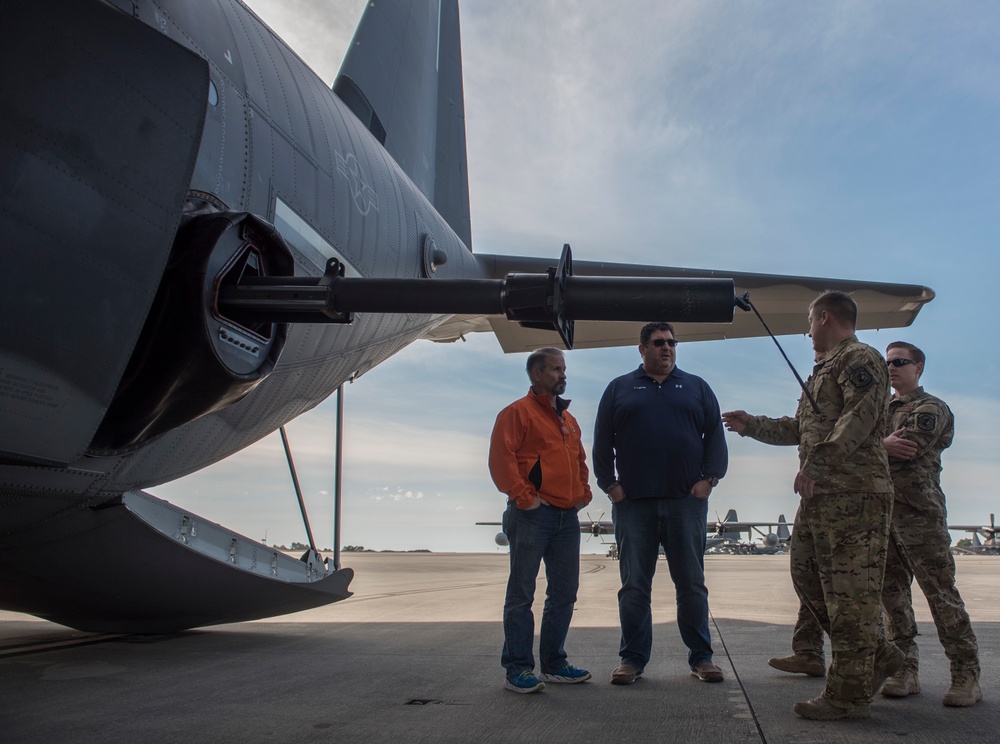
column 536, row 451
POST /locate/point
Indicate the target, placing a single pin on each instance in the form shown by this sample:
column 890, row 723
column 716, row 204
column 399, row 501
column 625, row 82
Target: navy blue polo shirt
column 658, row 439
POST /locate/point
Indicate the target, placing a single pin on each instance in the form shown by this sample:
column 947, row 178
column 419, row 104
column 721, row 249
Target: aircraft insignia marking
column 365, row 198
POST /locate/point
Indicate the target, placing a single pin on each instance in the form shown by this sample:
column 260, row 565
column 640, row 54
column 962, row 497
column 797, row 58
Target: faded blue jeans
column 641, row 527
column 545, row 534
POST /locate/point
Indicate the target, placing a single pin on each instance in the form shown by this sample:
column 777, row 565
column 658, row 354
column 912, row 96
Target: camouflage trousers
column 919, row 546
column 838, row 553
column 807, row 638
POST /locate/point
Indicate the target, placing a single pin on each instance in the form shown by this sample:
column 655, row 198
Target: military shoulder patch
column 926, row 421
column 860, row 377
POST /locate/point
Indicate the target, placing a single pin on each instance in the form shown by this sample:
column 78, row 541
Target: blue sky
column 841, row 139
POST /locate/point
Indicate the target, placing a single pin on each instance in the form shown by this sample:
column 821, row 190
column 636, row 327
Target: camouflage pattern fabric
column 930, row 424
column 840, row 447
column 807, row 637
column 920, row 545
column 838, row 546
column 838, row 552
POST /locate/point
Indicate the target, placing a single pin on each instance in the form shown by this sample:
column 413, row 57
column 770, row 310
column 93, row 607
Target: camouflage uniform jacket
column 841, row 446
column 928, row 422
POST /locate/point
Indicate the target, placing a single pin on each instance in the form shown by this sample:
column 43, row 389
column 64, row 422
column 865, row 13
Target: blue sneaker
column 566, row 674
column 525, row 681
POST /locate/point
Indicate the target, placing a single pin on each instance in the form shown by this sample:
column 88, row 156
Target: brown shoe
column 625, row 674
column 706, row 671
column 902, row 683
column 799, row 664
column 964, row 690
column 821, row 709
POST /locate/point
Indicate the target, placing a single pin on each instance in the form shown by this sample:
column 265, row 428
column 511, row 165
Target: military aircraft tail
column 783, row 533
column 402, row 77
column 725, row 526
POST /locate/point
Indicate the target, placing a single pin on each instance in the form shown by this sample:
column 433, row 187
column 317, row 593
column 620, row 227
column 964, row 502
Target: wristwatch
column 712, row 481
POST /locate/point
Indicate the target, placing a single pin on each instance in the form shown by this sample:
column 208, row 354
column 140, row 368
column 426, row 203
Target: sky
column 853, row 139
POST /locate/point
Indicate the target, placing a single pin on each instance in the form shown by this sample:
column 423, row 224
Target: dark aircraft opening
column 246, row 264
column 349, row 92
column 191, row 360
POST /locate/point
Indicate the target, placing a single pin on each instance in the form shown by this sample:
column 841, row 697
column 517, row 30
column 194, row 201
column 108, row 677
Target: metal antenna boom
column 743, row 302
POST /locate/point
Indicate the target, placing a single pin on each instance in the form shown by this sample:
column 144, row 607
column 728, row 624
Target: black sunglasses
column 658, row 342
column 897, row 363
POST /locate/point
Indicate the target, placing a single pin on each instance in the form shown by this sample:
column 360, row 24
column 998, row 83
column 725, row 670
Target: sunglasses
column 659, row 342
column 897, row 363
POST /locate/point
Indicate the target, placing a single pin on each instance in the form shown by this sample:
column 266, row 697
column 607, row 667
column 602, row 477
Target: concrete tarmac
column 414, row 657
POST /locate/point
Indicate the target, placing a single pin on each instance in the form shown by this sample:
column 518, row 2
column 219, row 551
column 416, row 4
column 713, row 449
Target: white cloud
column 397, row 495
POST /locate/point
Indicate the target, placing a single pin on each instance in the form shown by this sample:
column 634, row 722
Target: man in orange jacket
column 538, row 460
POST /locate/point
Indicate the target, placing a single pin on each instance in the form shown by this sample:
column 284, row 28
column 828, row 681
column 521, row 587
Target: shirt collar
column 913, row 394
column 561, row 403
column 835, row 351
column 841, row 346
column 675, row 372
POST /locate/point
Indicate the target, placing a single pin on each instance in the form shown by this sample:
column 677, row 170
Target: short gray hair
column 538, row 357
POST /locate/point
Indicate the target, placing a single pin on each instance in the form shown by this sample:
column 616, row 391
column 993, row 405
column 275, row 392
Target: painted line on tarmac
column 39, row 647
column 739, row 681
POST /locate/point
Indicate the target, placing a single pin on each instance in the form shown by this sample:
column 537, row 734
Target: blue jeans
column 641, row 527
column 553, row 535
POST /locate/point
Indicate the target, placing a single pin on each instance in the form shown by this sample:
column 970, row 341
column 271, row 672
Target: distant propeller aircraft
column 728, row 537
column 203, row 240
column 723, row 535
column 987, row 545
column 588, row 526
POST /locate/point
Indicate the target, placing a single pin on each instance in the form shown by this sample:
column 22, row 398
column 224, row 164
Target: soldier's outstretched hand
column 736, row 420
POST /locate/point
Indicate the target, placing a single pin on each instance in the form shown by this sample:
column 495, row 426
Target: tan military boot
column 821, row 709
column 799, row 664
column 888, row 661
column 964, row 690
column 902, row 683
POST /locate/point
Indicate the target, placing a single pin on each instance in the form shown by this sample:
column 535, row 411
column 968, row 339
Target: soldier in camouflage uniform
column 807, row 637
column 838, row 545
column 922, row 428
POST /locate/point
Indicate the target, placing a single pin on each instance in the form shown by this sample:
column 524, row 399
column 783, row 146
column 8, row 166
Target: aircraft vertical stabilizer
column 402, row 77
column 783, row 533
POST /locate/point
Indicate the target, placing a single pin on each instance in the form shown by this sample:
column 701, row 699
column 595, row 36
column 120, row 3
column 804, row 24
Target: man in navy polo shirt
column 659, row 450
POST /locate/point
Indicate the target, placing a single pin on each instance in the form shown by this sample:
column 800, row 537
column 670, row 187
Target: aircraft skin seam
column 92, row 165
column 90, row 257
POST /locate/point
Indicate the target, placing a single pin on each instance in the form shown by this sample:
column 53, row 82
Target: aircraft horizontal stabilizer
column 783, row 301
